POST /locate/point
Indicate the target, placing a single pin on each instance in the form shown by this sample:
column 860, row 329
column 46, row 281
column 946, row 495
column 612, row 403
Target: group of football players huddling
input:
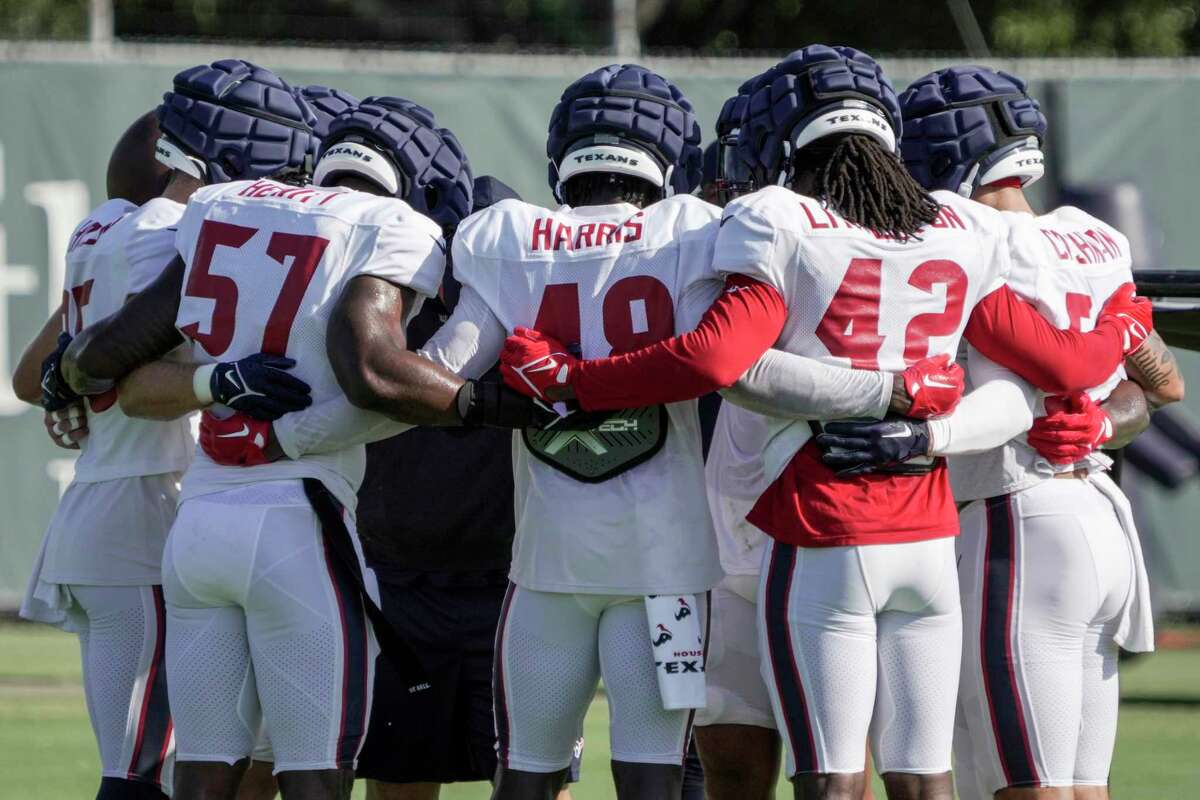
column 903, row 539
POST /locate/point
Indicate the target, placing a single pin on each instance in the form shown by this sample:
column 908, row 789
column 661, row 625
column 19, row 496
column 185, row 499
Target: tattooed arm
column 1154, row 368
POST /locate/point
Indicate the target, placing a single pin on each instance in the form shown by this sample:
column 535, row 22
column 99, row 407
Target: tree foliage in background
column 719, row 27
column 43, row 19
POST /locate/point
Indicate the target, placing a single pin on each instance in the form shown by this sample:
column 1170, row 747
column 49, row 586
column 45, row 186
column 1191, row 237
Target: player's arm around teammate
column 1038, row 693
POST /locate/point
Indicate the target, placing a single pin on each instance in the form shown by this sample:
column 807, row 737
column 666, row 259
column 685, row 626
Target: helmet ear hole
column 231, row 163
column 940, row 165
column 431, row 197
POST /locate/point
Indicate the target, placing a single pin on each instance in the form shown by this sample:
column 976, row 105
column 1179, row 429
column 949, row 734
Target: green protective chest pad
column 593, row 447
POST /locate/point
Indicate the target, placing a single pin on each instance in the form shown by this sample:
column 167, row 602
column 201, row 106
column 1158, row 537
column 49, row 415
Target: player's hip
column 821, row 585
column 227, row 544
column 1028, row 545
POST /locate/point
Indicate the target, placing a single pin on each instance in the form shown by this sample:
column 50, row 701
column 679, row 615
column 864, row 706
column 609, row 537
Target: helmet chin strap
column 785, row 173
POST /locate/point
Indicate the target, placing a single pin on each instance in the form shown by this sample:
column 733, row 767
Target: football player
column 99, row 569
column 272, row 597
column 735, row 732
column 1050, row 566
column 608, row 510
column 859, row 615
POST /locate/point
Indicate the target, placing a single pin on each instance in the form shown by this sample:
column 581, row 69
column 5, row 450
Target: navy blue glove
column 259, row 386
column 889, row 445
column 56, row 394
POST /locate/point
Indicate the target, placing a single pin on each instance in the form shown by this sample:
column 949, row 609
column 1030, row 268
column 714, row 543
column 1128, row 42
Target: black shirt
column 437, row 499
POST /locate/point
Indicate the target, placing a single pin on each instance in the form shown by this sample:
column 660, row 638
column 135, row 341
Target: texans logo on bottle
column 664, row 635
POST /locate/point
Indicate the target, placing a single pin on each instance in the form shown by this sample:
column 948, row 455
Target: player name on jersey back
column 603, row 280
column 265, row 264
column 1067, row 263
column 117, row 251
column 863, row 299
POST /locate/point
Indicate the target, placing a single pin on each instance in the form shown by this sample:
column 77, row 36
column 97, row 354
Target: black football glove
column 853, row 448
column 259, row 386
column 494, row 405
column 56, row 394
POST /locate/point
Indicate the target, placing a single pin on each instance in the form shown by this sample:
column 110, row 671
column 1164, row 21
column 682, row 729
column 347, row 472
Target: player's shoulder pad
column 498, row 229
column 379, row 210
column 107, row 213
column 974, row 215
column 114, row 208
column 774, row 204
column 684, row 212
column 1092, row 230
column 211, row 193
column 157, row 212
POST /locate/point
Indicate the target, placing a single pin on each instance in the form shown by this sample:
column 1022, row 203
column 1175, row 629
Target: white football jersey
column 1067, row 263
column 859, row 299
column 617, row 507
column 117, row 251
column 735, row 476
column 111, row 522
column 266, row 263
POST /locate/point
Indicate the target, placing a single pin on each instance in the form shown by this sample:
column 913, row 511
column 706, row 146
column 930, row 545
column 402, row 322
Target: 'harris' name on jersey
column 550, row 234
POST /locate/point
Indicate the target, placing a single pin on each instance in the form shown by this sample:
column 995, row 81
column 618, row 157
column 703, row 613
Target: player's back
column 615, row 505
column 266, row 263
column 861, row 299
column 1067, row 263
column 117, row 251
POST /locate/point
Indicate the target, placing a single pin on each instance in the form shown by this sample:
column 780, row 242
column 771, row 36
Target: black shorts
column 447, row 733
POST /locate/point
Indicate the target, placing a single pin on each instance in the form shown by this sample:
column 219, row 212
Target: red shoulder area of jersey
column 307, row 195
column 552, row 232
column 809, row 506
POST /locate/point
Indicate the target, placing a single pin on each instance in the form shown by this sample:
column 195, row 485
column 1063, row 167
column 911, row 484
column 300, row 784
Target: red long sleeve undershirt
column 737, row 328
column 1012, row 333
column 749, row 315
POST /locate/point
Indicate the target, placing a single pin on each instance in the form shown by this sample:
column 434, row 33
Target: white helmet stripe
column 610, row 158
column 172, row 155
column 1024, row 163
column 850, row 117
column 360, row 159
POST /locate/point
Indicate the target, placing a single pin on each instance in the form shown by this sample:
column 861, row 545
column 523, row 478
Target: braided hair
column 867, row 184
column 602, row 188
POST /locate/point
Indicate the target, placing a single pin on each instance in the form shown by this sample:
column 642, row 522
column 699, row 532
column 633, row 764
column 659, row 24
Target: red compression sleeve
column 1012, row 333
column 737, row 328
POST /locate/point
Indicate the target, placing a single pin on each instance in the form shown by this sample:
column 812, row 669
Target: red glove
column 1073, row 427
column 236, row 441
column 1134, row 316
column 934, row 385
column 537, row 365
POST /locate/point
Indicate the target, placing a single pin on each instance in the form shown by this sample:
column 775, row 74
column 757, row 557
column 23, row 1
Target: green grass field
column 46, row 747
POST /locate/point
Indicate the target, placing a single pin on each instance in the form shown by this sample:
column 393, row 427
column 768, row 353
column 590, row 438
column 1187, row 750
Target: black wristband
column 494, row 405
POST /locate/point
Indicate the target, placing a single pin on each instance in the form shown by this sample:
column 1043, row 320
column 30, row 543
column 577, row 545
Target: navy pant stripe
column 996, row 636
column 154, row 729
column 355, row 675
column 498, row 698
column 783, row 660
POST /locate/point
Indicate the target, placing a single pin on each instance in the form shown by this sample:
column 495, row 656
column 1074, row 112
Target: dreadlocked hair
column 868, row 185
column 602, row 188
